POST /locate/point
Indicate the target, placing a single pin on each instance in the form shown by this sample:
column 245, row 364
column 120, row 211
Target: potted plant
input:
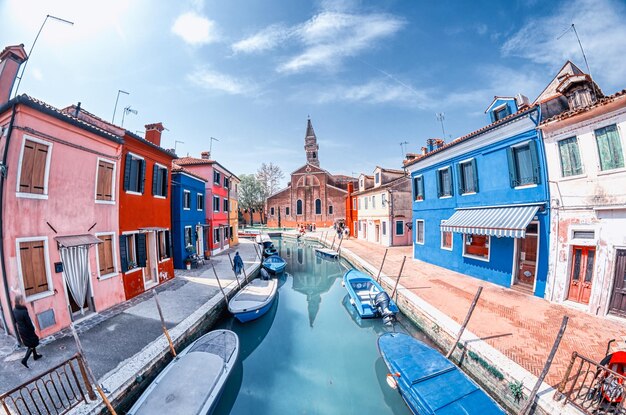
column 188, row 263
column 131, row 265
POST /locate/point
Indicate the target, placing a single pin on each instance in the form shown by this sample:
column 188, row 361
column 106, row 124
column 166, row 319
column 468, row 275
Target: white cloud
column 195, row 29
column 214, row 80
column 600, row 26
column 375, row 92
column 266, row 39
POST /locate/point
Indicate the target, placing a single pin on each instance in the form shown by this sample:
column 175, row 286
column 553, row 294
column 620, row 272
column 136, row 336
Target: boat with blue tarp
column 274, row 264
column 270, row 251
column 367, row 296
column 429, row 383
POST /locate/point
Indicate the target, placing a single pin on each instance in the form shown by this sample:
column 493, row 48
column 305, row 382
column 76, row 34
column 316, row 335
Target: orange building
column 352, row 213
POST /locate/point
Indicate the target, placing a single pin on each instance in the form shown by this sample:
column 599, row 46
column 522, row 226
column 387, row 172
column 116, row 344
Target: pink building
column 59, row 209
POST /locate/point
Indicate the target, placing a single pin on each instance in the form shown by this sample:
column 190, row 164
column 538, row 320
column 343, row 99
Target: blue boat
column 367, row 296
column 326, row 253
column 428, row 382
column 270, row 251
column 274, row 264
column 253, row 300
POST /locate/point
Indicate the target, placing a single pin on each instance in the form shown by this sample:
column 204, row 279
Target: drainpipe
column 3, row 174
column 391, row 229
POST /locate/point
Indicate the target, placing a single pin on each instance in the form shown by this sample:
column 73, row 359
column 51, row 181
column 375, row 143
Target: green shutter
column 462, row 186
column 534, row 156
column 475, row 169
column 451, row 181
column 512, row 171
column 438, row 172
column 142, row 176
column 155, row 180
column 140, row 239
column 127, row 167
column 123, row 256
column 609, row 148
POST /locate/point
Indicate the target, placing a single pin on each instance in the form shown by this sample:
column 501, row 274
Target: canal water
column 310, row 354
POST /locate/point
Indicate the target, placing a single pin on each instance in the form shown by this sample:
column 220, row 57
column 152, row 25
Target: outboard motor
column 381, row 302
column 264, row 274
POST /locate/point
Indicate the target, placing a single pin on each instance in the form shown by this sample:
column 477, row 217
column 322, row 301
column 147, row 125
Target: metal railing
column 592, row 387
column 53, row 392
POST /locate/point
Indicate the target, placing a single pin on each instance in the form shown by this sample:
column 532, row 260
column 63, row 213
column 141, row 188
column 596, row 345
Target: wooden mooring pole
column 395, row 287
column 339, row 246
column 92, row 377
column 381, row 266
column 531, row 398
column 467, row 319
column 167, row 334
column 219, row 284
column 333, row 244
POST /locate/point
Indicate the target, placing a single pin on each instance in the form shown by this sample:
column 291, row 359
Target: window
column 133, row 251
column 226, row 234
column 216, row 203
column 199, row 201
column 377, row 178
column 216, row 177
column 360, row 225
column 366, row 198
column 272, row 211
column 299, row 207
column 159, row 181
column 418, row 188
column 188, row 236
column 318, row 207
column 186, row 199
column 444, row 182
column 571, row 164
column 34, row 269
column 354, row 203
column 225, row 205
column 287, row 210
column 216, row 235
column 330, row 209
column 134, row 173
column 501, row 112
column 419, row 232
column 476, row 246
column 230, row 232
column 360, row 203
column 399, row 227
column 523, row 164
column 163, row 238
column 609, row 148
column 34, row 167
column 446, row 240
column 383, row 199
column 104, row 180
column 361, row 184
column 374, row 202
column 106, row 261
column 468, row 177
column 384, row 228
column 584, row 234
column 226, row 182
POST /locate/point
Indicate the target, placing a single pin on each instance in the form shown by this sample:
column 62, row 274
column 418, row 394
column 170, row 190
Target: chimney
column 10, row 60
column 77, row 110
column 205, row 155
column 424, row 150
column 153, row 133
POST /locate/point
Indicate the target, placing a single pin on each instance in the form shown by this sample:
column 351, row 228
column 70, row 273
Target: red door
column 582, row 274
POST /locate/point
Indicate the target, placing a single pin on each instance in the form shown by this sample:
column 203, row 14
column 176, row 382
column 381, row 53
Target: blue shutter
column 535, row 160
column 451, row 181
column 142, row 176
column 165, row 178
column 415, row 187
column 155, row 180
column 421, row 187
column 512, row 171
column 475, row 169
column 127, row 167
column 123, row 256
column 438, row 173
column 141, row 249
column 462, row 184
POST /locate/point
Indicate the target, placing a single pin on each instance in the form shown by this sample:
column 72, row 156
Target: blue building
column 480, row 202
column 188, row 217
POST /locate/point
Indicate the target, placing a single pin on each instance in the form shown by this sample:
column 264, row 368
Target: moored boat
column 270, row 251
column 326, row 253
column 253, row 300
column 428, row 382
column 367, row 296
column 193, row 382
column 274, row 264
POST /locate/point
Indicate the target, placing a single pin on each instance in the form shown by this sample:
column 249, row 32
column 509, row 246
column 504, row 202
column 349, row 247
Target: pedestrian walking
column 26, row 329
column 346, row 232
column 237, row 264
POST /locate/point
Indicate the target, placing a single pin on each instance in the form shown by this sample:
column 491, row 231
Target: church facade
column 313, row 196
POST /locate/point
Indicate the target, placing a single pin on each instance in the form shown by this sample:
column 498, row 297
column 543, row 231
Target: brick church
column 313, row 195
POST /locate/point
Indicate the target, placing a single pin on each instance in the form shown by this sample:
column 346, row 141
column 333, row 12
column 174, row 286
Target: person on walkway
column 346, row 232
column 26, row 329
column 237, row 264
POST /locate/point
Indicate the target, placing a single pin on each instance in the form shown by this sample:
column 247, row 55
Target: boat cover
column 253, row 296
column 430, row 381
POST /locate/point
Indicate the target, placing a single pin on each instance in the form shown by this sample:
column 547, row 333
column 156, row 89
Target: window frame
column 354, row 203
column 131, row 252
column 164, row 186
column 476, row 257
column 186, row 199
column 462, row 179
column 226, row 205
column 396, row 222
column 114, row 175
column 191, row 241
column 299, row 207
column 46, row 253
column 226, row 182
column 442, row 246
column 216, row 198
column 199, row 201
column 166, row 241
column 377, row 178
column 621, row 143
column 318, row 206
column 417, row 231
column 143, row 160
column 534, row 160
column 419, row 187
column 330, row 210
column 114, row 241
column 46, row 176
column 216, row 235
column 440, row 189
column 272, row 211
column 217, row 177
column 383, row 227
column 287, row 211
column 582, row 165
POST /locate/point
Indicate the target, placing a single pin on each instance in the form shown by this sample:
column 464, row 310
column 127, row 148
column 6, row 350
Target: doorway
column 76, row 278
column 618, row 302
column 150, row 271
column 199, row 240
column 581, row 277
column 526, row 260
column 377, row 232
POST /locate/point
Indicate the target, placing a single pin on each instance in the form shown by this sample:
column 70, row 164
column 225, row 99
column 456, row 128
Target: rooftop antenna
column 573, row 28
column 127, row 110
column 119, row 91
column 403, row 148
column 58, row 19
column 440, row 117
column 211, row 145
column 176, row 142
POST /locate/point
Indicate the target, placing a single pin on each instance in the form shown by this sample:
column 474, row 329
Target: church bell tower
column 310, row 145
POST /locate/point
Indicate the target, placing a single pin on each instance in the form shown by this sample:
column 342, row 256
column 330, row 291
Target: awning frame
column 504, row 221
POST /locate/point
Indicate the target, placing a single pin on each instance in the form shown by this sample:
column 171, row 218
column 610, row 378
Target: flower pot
column 188, row 265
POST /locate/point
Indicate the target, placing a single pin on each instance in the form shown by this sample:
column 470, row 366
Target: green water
column 310, row 354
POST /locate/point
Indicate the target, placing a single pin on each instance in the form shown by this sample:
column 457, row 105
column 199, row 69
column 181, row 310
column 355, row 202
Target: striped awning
column 501, row 221
column 77, row 240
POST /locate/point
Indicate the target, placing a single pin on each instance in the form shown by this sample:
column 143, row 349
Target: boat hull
column 250, row 315
column 361, row 299
column 275, row 269
column 253, row 300
column 326, row 253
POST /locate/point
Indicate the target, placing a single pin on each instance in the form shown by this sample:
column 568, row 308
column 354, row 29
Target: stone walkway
column 520, row 326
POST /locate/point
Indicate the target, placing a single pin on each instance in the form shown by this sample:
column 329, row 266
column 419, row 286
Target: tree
column 250, row 194
column 269, row 177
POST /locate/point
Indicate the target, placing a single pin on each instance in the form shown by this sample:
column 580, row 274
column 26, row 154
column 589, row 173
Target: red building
column 145, row 212
column 352, row 212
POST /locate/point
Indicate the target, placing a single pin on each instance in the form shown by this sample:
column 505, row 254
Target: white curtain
column 75, row 260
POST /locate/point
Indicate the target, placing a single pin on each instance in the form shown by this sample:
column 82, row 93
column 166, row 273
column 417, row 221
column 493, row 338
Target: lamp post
column 17, row 87
column 119, row 91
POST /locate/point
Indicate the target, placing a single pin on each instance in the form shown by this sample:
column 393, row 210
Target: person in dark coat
column 26, row 329
column 237, row 264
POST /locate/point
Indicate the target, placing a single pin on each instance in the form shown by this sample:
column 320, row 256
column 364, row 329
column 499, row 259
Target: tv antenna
column 573, row 28
column 176, row 142
column 403, row 148
column 211, row 145
column 128, row 110
column 440, row 117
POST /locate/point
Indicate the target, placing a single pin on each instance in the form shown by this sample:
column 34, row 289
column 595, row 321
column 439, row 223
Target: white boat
column 193, row 382
column 326, row 253
column 253, row 300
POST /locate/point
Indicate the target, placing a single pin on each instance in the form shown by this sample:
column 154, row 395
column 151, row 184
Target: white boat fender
column 343, row 283
column 352, row 302
column 391, row 380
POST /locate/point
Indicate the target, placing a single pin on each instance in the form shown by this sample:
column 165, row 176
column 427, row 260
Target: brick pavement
column 520, row 326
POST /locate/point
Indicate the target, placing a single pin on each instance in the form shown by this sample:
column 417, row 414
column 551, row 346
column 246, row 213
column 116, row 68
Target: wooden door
column 581, row 278
column 527, row 260
column 618, row 302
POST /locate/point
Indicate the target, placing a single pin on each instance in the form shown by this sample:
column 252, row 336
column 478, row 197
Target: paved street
column 122, row 331
column 520, row 326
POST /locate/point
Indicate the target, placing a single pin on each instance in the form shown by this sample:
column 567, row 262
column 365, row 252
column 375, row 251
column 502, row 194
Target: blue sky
column 370, row 74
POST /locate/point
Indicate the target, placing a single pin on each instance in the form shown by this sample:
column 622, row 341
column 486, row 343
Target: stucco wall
column 182, row 217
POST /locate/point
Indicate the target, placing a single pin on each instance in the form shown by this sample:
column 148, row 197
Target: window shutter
column 39, row 169
column 102, row 259
column 155, row 180
column 108, row 253
column 168, row 244
column 33, row 267
column 415, row 188
column 141, row 249
column 127, row 166
column 512, row 171
column 535, row 160
column 28, row 277
column 142, row 176
column 475, row 170
column 108, row 181
column 462, row 184
column 420, row 185
column 165, row 179
column 123, row 257
column 26, row 174
column 451, row 181
column 438, row 183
